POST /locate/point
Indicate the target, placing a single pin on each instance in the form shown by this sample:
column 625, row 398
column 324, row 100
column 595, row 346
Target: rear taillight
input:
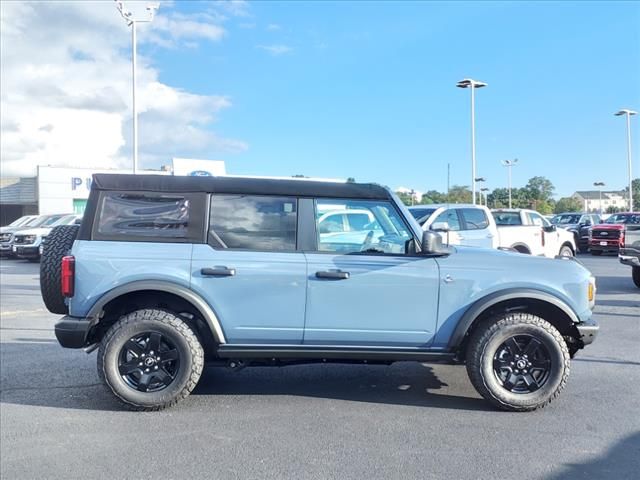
column 67, row 277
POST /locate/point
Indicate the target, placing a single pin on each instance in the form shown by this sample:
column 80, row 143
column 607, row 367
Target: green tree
column 459, row 194
column 433, row 196
column 568, row 204
column 351, row 180
column 635, row 189
column 406, row 198
column 539, row 189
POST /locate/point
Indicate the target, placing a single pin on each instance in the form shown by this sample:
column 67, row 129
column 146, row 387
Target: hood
column 35, row 231
column 11, row 229
column 609, row 226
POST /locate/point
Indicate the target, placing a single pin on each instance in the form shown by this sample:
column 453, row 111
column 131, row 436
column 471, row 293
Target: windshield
column 46, row 221
column 632, row 218
column 565, row 219
column 66, row 220
column 421, row 213
column 19, row 221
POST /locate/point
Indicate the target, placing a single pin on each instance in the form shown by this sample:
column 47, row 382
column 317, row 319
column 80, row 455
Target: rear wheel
column 57, row 244
column 518, row 362
column 150, row 359
column 635, row 274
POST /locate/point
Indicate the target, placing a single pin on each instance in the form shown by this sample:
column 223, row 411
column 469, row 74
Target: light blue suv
column 167, row 274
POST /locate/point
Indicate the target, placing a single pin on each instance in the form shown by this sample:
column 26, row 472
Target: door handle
column 333, row 275
column 218, row 272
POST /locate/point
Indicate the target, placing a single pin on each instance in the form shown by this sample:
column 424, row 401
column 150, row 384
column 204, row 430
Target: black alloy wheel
column 149, row 362
column 522, row 364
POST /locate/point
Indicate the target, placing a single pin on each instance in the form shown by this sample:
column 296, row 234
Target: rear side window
column 253, row 222
column 507, row 218
column 474, row 218
column 152, row 217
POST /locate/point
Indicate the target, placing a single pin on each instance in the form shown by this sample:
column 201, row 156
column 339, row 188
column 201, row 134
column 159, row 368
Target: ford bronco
column 166, row 274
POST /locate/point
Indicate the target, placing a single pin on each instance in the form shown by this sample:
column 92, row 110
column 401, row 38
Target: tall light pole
column 509, row 164
column 484, row 190
column 628, row 113
column 479, row 180
column 599, row 185
column 132, row 21
column 472, row 84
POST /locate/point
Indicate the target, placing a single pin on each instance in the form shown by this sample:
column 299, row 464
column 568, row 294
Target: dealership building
column 66, row 190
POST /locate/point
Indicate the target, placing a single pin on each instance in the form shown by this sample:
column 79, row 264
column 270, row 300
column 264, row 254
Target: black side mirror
column 431, row 243
column 549, row 228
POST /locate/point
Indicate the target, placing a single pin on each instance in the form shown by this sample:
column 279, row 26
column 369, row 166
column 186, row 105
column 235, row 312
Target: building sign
column 198, row 168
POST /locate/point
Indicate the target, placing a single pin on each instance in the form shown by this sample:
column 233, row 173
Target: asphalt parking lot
column 327, row 421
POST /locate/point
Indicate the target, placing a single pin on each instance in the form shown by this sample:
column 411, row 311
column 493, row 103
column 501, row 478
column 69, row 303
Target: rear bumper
column 588, row 331
column 72, row 332
column 629, row 257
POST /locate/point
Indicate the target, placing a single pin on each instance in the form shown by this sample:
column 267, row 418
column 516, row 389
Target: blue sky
column 339, row 89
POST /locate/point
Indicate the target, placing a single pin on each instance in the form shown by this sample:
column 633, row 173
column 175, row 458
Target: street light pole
column 509, row 164
column 484, row 190
column 472, row 84
column 479, row 180
column 132, row 22
column 599, row 185
column 628, row 113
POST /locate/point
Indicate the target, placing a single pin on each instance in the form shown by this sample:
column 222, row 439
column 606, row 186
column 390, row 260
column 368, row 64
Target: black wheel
column 57, row 244
column 635, row 274
column 150, row 359
column 596, row 252
column 518, row 362
column 566, row 251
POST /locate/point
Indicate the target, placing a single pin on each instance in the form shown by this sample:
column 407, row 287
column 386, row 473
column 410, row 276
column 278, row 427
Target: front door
column 250, row 272
column 363, row 288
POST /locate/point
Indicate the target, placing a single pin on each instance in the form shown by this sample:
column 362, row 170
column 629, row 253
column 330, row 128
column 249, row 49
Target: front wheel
column 518, row 362
column 566, row 251
column 150, row 359
column 635, row 274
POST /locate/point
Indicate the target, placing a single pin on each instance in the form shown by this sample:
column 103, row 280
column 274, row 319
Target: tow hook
column 236, row 365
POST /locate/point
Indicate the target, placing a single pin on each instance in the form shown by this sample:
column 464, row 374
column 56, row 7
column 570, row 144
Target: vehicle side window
column 377, row 228
column 536, row 219
column 253, row 222
column 474, row 218
column 507, row 218
column 331, row 223
column 147, row 217
column 451, row 217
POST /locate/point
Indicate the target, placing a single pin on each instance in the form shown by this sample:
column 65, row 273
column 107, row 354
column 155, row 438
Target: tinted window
column 451, row 217
column 565, row 219
column 507, row 218
column 253, row 222
column 624, row 218
column 421, row 213
column 377, row 229
column 147, row 215
column 474, row 218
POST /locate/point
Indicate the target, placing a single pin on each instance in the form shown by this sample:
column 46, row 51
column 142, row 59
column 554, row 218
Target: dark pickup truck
column 629, row 253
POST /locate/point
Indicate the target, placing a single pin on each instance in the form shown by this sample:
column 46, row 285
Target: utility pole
column 599, row 185
column 132, row 22
column 628, row 113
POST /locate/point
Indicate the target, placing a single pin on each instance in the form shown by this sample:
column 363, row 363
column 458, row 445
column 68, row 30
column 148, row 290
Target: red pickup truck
column 609, row 236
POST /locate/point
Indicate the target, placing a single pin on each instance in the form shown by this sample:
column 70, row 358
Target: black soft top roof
column 241, row 185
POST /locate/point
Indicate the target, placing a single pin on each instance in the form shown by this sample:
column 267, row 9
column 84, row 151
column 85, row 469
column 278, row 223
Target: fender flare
column 520, row 244
column 185, row 293
column 481, row 305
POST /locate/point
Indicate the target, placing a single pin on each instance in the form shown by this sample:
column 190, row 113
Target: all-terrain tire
column 484, row 345
column 635, row 274
column 57, row 244
column 139, row 323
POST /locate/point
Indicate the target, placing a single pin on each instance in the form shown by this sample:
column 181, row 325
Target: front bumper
column 588, row 331
column 72, row 332
column 604, row 245
column 27, row 251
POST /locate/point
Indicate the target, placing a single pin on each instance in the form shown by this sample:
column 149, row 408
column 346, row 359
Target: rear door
column 250, row 271
column 364, row 288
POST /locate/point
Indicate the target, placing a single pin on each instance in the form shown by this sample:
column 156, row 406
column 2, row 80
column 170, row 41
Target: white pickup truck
column 529, row 232
column 475, row 225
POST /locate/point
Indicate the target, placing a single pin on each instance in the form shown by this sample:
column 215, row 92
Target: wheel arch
column 146, row 292
column 522, row 248
column 545, row 305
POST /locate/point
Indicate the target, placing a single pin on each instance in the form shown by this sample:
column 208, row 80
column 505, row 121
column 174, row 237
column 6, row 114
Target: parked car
column 7, row 233
column 459, row 224
column 629, row 253
column 246, row 280
column 345, row 228
column 26, row 243
column 609, row 235
column 18, row 222
column 579, row 224
column 529, row 232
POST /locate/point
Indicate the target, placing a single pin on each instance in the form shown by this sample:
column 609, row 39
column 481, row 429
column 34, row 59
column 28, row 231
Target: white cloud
column 273, row 27
column 65, row 88
column 276, row 50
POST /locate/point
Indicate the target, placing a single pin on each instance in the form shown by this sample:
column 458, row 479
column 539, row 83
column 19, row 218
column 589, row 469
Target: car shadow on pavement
column 620, row 461
column 38, row 372
column 403, row 383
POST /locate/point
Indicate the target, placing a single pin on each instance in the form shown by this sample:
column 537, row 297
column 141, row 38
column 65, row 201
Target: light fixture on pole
column 472, row 84
column 479, row 180
column 132, row 22
column 484, row 190
column 599, row 185
column 629, row 114
column 509, row 164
